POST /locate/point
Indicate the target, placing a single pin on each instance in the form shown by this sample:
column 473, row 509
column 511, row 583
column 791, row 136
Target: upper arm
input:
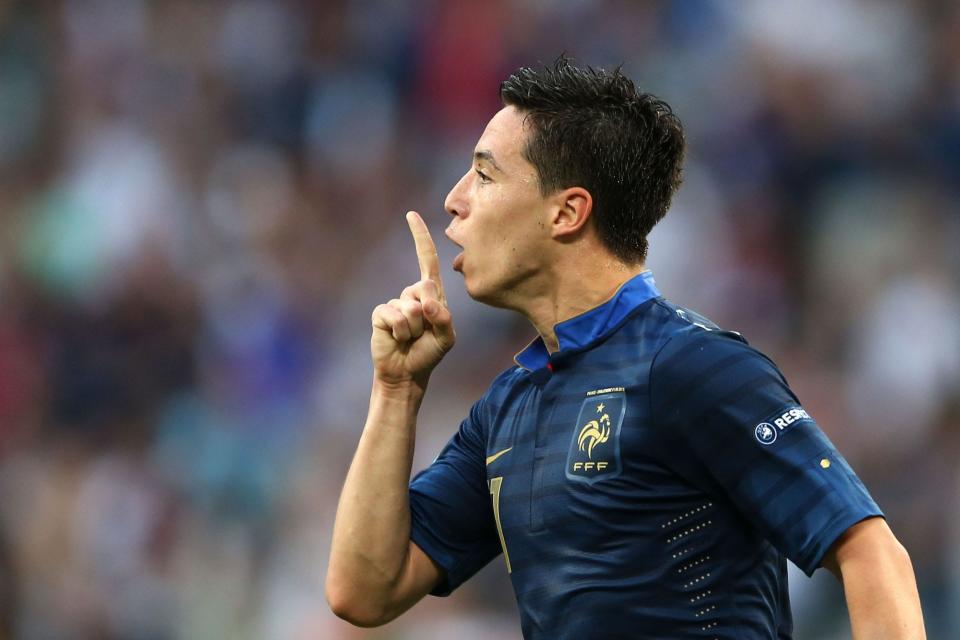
column 451, row 517
column 739, row 431
column 878, row 582
column 864, row 542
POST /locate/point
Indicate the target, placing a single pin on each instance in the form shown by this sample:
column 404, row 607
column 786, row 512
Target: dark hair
column 594, row 129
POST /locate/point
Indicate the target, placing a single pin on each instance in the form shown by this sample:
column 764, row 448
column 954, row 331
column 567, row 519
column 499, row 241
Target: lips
column 457, row 261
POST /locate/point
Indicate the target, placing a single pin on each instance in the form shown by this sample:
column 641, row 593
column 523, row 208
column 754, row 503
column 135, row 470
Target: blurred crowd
column 201, row 203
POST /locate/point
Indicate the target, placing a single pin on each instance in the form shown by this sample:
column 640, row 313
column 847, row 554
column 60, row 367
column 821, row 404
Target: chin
column 489, row 295
column 473, row 290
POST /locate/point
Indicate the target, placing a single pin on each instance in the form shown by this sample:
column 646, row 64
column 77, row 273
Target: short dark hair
column 593, row 129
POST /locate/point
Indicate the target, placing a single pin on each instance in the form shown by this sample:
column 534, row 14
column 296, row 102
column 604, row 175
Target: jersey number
column 495, row 484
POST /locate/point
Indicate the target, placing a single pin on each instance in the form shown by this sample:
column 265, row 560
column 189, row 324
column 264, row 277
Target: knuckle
column 400, row 326
column 386, row 319
column 412, row 307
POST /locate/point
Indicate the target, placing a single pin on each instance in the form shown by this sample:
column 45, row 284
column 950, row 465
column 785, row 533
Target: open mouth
column 458, row 260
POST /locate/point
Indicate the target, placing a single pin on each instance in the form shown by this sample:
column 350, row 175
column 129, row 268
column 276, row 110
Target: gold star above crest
column 600, row 408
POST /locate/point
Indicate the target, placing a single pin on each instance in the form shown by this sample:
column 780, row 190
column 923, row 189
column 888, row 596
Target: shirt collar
column 579, row 331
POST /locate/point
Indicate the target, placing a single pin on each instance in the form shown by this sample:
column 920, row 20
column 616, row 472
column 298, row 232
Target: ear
column 573, row 207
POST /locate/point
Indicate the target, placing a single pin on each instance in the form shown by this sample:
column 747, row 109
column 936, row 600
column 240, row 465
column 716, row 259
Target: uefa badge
column 766, row 433
column 785, row 419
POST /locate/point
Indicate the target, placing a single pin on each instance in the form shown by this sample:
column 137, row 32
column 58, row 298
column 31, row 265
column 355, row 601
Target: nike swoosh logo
column 497, row 455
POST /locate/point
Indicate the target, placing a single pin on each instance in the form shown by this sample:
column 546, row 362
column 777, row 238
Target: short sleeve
column 732, row 426
column 451, row 513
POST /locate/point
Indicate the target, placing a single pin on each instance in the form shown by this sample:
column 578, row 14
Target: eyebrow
column 488, row 157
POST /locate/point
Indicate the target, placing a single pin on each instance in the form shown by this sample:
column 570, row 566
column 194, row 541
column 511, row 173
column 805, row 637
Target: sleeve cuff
column 812, row 556
column 442, row 560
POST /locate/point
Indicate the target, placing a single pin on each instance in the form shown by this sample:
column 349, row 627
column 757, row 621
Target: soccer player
column 644, row 473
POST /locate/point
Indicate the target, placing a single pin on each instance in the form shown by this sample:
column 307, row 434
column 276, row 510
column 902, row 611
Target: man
column 644, row 473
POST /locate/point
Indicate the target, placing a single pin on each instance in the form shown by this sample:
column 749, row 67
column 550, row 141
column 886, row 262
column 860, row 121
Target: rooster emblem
column 593, row 433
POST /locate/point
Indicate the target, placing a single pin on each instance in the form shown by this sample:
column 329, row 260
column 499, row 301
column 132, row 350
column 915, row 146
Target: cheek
column 510, row 227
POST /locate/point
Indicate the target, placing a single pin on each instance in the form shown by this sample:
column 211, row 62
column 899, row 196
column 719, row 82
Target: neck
column 572, row 292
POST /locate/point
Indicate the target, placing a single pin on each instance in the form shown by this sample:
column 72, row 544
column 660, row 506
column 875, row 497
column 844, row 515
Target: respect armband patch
column 770, row 429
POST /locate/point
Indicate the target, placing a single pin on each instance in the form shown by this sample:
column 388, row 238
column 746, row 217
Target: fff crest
column 595, row 446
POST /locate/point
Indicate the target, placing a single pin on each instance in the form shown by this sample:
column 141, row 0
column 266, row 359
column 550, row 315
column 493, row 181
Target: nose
column 456, row 202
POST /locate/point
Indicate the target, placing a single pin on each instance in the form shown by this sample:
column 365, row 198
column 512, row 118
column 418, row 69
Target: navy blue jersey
column 647, row 480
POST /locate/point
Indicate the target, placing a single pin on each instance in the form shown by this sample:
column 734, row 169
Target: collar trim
column 591, row 325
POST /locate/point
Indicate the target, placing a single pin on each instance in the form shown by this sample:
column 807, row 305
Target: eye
column 484, row 178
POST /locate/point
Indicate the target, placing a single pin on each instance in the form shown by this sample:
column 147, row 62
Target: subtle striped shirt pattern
column 660, row 472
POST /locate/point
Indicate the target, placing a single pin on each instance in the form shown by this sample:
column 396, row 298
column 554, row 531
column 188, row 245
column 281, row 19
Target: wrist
column 404, row 389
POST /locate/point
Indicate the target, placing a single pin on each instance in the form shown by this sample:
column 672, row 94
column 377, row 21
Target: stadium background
column 201, row 202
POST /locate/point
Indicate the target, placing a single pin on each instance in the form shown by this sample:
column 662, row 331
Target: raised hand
column 412, row 333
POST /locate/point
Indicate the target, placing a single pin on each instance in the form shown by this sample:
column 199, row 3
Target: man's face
column 499, row 217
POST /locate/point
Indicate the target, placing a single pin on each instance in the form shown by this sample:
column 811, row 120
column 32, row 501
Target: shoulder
column 695, row 353
column 497, row 394
column 504, row 384
column 692, row 339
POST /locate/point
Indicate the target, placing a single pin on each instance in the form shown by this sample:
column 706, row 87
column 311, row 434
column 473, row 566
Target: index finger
column 426, row 252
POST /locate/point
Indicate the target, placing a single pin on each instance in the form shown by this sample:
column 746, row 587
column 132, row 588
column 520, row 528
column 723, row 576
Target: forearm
column 375, row 571
column 880, row 588
column 371, row 535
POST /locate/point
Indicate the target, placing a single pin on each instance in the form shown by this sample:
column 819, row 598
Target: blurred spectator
column 202, row 202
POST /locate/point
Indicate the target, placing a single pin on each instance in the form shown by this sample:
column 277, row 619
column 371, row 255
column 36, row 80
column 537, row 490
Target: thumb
column 442, row 322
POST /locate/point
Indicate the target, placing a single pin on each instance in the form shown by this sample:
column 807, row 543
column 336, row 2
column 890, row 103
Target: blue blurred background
column 201, row 203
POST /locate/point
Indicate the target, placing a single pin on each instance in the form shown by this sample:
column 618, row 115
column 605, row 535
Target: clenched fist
column 412, row 333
